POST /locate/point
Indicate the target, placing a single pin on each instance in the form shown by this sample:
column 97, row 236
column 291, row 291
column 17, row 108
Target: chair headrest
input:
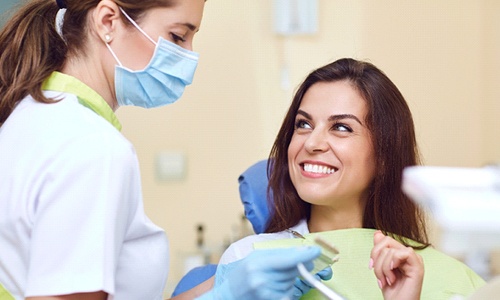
column 253, row 194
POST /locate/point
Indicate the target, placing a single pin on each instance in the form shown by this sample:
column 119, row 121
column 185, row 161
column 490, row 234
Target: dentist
column 72, row 223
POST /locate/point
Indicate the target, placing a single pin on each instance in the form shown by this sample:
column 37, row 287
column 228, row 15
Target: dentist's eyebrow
column 189, row 26
column 344, row 116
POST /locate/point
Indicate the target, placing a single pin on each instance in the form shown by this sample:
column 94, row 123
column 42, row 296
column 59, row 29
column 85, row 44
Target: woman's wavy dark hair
column 391, row 126
column 31, row 49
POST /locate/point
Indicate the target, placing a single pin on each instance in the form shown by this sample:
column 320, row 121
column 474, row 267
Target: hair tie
column 61, row 4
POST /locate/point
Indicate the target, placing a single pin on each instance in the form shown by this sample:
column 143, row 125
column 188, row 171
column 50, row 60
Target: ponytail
column 30, row 50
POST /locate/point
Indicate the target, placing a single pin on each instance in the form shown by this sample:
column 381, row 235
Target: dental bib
column 444, row 276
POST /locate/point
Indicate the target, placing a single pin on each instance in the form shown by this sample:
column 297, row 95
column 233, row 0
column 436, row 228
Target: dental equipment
column 329, row 253
column 465, row 205
column 321, row 287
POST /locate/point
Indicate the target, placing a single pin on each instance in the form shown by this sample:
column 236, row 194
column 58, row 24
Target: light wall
column 443, row 55
column 6, row 9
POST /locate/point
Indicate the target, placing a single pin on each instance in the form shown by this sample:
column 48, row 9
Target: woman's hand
column 399, row 270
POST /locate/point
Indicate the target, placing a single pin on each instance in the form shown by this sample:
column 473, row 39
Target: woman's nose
column 188, row 45
column 316, row 141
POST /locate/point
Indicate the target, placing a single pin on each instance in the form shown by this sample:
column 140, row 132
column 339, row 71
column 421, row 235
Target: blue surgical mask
column 162, row 81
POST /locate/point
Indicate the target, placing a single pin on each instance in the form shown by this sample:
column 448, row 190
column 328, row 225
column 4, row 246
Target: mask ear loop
column 107, row 40
column 107, row 37
column 137, row 26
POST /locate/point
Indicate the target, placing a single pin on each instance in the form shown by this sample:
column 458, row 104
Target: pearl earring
column 107, row 38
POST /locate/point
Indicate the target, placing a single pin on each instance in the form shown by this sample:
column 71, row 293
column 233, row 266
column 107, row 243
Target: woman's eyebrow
column 331, row 118
column 306, row 115
column 189, row 26
column 344, row 116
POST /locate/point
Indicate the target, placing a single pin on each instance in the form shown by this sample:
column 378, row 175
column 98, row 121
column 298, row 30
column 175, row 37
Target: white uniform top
column 240, row 249
column 71, row 210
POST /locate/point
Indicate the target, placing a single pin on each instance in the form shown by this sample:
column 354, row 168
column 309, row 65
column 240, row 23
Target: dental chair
column 253, row 184
column 253, row 194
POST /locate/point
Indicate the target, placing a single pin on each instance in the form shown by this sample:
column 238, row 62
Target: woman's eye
column 177, row 38
column 342, row 127
column 302, row 124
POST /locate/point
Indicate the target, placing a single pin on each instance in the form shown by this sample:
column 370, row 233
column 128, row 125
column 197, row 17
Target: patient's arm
column 197, row 291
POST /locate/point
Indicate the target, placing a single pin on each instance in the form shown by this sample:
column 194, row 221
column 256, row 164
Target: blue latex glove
column 264, row 274
column 301, row 287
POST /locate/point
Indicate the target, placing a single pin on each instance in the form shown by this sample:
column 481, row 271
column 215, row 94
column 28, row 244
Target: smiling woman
column 359, row 124
column 330, row 156
column 336, row 173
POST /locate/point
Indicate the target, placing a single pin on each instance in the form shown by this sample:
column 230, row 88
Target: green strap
column 4, row 295
column 89, row 98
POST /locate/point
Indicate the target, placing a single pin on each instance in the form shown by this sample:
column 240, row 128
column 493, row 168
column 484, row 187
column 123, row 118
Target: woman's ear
column 105, row 19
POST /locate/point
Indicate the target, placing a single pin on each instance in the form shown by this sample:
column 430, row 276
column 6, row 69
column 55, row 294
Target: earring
column 107, row 38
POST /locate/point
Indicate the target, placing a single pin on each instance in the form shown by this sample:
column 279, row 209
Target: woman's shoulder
column 436, row 257
column 245, row 246
column 63, row 122
column 65, row 134
column 447, row 274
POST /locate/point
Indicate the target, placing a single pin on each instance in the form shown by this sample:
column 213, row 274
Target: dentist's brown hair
column 31, row 49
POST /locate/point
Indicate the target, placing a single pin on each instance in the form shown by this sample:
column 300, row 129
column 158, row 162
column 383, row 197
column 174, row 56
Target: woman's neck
column 324, row 218
column 90, row 70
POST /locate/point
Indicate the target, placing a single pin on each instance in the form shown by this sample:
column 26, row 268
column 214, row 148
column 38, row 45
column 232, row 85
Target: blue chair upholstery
column 253, row 194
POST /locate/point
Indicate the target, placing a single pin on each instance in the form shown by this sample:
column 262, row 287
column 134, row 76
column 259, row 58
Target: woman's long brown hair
column 31, row 49
column 392, row 131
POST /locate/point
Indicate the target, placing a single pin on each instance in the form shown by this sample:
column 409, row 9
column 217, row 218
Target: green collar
column 87, row 97
column 4, row 294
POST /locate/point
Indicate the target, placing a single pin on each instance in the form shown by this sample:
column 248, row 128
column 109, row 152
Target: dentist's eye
column 177, row 38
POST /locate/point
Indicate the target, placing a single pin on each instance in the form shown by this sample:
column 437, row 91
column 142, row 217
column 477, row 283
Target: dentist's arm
column 264, row 274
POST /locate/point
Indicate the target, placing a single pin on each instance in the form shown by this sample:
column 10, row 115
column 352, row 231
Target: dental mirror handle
column 326, row 291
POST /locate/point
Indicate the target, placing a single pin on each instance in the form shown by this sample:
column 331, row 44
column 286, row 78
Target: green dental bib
column 444, row 276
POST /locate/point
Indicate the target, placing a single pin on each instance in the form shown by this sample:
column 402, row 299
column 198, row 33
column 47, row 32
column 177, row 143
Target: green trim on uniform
column 4, row 294
column 89, row 98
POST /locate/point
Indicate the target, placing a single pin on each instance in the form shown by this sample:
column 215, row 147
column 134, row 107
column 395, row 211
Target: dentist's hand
column 301, row 287
column 399, row 269
column 264, row 274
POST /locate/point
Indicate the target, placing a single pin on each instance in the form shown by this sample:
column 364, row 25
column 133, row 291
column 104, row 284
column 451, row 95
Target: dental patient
column 336, row 173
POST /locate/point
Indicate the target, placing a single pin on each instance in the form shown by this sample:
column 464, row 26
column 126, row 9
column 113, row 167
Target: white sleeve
column 87, row 199
column 238, row 249
column 245, row 246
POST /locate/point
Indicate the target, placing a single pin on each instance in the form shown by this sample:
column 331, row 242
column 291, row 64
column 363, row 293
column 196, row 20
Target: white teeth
column 318, row 169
